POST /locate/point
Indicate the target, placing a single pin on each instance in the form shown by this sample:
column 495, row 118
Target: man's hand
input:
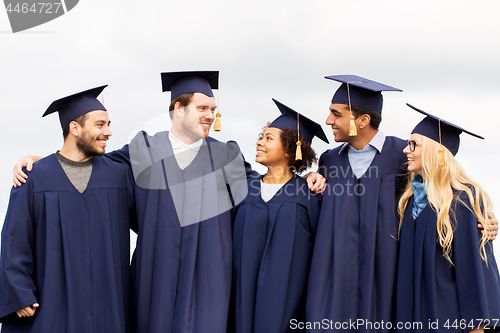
column 19, row 176
column 492, row 231
column 316, row 182
column 27, row 311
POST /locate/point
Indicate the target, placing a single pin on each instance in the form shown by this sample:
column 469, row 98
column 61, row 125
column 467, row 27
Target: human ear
column 74, row 128
column 178, row 109
column 364, row 120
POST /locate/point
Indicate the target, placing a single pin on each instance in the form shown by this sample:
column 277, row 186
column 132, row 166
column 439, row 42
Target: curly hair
column 288, row 139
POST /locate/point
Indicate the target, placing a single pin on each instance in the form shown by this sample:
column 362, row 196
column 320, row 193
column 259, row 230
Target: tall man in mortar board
column 65, row 246
column 353, row 269
column 186, row 186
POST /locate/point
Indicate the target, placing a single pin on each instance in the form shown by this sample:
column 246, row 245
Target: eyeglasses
column 412, row 144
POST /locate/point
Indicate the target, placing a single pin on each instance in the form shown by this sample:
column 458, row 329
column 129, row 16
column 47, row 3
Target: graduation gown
column 353, row 270
column 68, row 251
column 272, row 245
column 431, row 291
column 181, row 267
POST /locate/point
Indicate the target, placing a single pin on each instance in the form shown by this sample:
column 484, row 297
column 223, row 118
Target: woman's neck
column 277, row 175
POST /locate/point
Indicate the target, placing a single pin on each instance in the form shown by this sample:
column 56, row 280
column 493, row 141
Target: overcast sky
column 442, row 54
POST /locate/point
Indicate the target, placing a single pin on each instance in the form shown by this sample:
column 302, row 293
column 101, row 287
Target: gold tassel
column 442, row 162
column 298, row 152
column 352, row 126
column 217, row 124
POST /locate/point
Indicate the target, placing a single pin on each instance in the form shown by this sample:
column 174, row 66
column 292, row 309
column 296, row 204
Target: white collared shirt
column 360, row 160
column 184, row 154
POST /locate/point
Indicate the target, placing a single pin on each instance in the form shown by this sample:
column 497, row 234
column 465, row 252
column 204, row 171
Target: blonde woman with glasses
column 448, row 279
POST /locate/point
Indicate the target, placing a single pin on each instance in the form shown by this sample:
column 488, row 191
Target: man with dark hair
column 64, row 263
column 353, row 268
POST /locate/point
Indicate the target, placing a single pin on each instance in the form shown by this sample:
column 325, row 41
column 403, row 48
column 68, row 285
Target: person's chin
column 199, row 134
column 258, row 159
column 100, row 152
column 412, row 169
column 206, row 133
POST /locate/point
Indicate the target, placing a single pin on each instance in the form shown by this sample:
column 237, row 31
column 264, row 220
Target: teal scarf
column 419, row 195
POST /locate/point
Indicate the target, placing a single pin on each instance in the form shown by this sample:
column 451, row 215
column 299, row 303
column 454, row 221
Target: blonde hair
column 440, row 186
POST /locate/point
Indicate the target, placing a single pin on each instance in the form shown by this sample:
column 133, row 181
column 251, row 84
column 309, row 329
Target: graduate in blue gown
column 274, row 230
column 65, row 244
column 186, row 186
column 353, row 270
column 448, row 278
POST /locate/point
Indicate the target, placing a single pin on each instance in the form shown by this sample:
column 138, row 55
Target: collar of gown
column 184, row 153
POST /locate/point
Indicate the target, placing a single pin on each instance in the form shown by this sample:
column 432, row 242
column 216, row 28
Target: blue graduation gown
column 353, row 270
column 430, row 289
column 272, row 247
column 181, row 275
column 68, row 251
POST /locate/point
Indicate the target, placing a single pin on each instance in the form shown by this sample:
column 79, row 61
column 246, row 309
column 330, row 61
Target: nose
column 406, row 149
column 260, row 142
column 330, row 120
column 107, row 131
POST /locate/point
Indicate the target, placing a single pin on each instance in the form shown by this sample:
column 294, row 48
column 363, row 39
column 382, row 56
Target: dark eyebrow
column 336, row 111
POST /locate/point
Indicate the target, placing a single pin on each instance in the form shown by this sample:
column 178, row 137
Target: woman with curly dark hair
column 275, row 228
